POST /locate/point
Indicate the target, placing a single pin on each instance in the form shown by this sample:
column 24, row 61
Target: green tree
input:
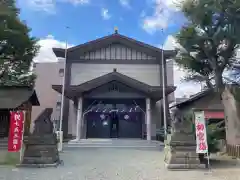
column 193, row 62
column 208, row 46
column 7, row 7
column 17, row 48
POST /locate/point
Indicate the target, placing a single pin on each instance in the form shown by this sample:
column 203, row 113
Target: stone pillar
column 79, row 119
column 148, row 118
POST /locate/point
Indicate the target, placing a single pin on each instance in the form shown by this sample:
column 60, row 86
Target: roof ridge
column 141, row 43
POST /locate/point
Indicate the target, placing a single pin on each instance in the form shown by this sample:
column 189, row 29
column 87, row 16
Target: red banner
column 16, row 131
column 201, row 133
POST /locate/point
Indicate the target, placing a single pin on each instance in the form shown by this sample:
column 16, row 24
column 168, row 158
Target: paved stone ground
column 117, row 164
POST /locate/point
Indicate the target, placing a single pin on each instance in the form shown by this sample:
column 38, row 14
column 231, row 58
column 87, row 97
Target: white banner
column 201, row 133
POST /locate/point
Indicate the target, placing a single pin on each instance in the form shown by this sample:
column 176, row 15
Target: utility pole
column 164, row 90
column 62, row 97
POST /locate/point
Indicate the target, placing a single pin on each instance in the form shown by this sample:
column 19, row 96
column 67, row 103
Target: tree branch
column 2, row 74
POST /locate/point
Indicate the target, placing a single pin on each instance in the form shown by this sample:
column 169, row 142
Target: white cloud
column 170, row 43
column 183, row 88
column 105, row 14
column 46, row 53
column 49, row 6
column 42, row 5
column 163, row 15
column 76, row 2
column 157, row 21
column 173, row 4
column 125, row 3
column 81, row 2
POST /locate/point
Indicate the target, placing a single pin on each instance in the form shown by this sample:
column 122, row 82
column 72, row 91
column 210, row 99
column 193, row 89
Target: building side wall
column 148, row 74
column 47, row 75
column 170, row 78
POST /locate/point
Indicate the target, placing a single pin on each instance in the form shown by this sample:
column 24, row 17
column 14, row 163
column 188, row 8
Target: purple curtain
column 127, row 116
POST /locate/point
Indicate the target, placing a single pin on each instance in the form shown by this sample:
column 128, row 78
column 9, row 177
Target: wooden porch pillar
column 148, row 118
column 27, row 107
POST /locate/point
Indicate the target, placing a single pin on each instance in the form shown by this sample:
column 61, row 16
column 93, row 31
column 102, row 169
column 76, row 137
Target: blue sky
column 152, row 21
column 90, row 19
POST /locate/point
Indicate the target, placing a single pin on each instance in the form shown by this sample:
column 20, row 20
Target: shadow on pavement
column 224, row 162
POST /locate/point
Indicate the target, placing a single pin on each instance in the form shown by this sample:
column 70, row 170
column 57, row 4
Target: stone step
column 114, row 143
column 39, row 160
column 3, row 143
column 108, row 146
column 3, row 146
column 4, row 140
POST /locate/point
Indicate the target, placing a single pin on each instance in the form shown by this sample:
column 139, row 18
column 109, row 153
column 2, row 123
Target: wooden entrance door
column 130, row 125
column 98, row 125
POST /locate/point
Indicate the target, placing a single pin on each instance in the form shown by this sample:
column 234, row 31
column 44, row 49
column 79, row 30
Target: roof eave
column 74, row 91
column 170, row 54
column 34, row 99
column 59, row 52
column 58, row 88
column 192, row 99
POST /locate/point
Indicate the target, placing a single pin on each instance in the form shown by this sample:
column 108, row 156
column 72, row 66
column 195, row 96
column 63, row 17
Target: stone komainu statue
column 41, row 147
column 43, row 123
column 177, row 119
column 179, row 122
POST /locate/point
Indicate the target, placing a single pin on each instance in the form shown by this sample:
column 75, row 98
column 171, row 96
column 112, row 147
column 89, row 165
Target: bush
column 9, row 158
column 215, row 132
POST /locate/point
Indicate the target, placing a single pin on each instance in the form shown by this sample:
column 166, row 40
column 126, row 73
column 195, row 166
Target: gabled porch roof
column 75, row 91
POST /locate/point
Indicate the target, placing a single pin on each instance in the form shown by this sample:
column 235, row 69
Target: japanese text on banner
column 201, row 133
column 16, row 131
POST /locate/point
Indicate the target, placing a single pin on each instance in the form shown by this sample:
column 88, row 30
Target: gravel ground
column 117, row 164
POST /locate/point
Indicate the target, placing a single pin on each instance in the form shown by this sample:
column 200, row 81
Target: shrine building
column 113, row 88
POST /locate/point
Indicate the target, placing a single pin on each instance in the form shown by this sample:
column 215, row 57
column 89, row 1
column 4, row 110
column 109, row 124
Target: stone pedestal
column 180, row 152
column 41, row 147
column 40, row 151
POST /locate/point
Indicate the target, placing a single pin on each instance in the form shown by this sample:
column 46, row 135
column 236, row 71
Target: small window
column 58, row 105
column 113, row 87
column 61, row 72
